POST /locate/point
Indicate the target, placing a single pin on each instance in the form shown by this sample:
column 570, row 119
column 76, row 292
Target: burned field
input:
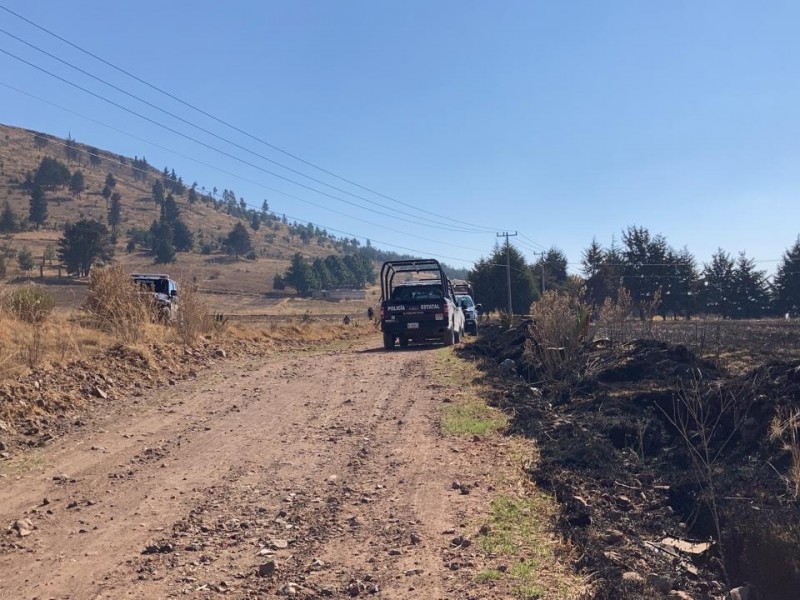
column 673, row 452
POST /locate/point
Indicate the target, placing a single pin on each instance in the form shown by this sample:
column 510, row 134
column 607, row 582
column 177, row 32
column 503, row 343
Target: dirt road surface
column 322, row 469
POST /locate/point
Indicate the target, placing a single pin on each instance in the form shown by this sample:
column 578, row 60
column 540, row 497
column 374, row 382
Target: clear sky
column 561, row 120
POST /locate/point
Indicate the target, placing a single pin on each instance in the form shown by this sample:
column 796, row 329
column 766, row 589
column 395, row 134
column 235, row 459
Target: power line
column 223, row 152
column 225, row 123
column 214, row 135
column 294, row 218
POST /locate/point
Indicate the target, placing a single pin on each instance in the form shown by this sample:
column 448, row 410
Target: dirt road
column 323, row 469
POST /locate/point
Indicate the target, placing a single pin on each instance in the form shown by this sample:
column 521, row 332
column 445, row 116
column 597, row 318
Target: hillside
column 208, row 218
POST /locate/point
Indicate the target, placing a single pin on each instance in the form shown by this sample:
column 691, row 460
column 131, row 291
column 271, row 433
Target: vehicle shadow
column 415, row 348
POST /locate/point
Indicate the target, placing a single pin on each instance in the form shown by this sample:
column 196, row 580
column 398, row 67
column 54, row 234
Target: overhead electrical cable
column 218, row 137
column 298, row 219
column 239, row 130
column 221, row 170
column 218, row 150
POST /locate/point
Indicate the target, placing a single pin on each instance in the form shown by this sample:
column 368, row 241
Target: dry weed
column 785, row 428
column 116, row 305
column 193, row 319
column 560, row 327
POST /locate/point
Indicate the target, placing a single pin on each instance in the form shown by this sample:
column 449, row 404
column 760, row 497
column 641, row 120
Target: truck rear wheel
column 403, row 341
column 449, row 337
column 388, row 341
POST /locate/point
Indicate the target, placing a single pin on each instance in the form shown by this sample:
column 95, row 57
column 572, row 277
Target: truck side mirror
column 174, row 293
column 478, row 308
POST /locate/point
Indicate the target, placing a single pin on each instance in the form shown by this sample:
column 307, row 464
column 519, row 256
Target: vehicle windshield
column 160, row 286
column 417, row 292
column 465, row 301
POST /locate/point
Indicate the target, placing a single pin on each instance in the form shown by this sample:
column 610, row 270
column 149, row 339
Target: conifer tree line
column 654, row 274
column 333, row 271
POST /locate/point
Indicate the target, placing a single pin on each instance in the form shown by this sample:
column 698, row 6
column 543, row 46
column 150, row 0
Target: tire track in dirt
column 328, row 463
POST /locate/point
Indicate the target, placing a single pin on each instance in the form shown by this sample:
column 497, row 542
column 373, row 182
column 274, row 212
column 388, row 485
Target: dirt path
column 328, row 463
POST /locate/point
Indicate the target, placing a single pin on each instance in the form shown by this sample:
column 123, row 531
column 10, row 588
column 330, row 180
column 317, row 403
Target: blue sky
column 561, row 120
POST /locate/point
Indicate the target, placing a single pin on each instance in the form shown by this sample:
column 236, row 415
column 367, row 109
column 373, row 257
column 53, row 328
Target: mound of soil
column 663, row 463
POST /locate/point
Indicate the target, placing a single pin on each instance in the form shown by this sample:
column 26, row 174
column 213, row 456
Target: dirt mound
column 653, row 446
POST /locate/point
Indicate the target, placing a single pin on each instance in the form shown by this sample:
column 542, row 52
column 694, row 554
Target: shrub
column 560, row 326
column 116, row 305
column 31, row 304
column 194, row 319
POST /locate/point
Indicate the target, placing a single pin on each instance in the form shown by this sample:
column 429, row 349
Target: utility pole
column 508, row 269
column 542, row 255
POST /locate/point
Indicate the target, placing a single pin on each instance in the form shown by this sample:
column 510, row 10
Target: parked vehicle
column 418, row 304
column 164, row 291
column 471, row 312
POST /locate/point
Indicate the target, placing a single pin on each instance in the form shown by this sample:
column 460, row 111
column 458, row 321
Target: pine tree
column 238, row 243
column 718, row 284
column 787, row 280
column 751, row 291
column 111, row 181
column 77, row 183
column 163, row 247
column 8, row 219
column 115, row 212
column 183, row 238
column 83, row 244
column 158, row 192
column 489, row 280
column 38, row 207
column 25, row 260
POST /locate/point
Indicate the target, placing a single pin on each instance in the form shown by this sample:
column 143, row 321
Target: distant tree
column 51, row 174
column 8, row 219
column 255, row 221
column 751, row 292
column 139, row 168
column 553, row 265
column 111, row 181
column 169, row 209
column 158, row 192
column 264, row 208
column 106, row 193
column 37, row 213
column 361, row 268
column 183, row 238
column 40, row 141
column 115, row 212
column 278, row 282
column 192, row 197
column 237, row 242
column 94, row 157
column 488, row 278
column 163, row 245
column 300, row 275
column 325, row 279
column 787, row 280
column 25, row 260
column 85, row 242
column 77, row 183
column 681, row 285
column 717, row 293
column 71, row 150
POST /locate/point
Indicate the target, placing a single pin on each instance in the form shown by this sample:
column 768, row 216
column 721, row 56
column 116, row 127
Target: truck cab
column 163, row 290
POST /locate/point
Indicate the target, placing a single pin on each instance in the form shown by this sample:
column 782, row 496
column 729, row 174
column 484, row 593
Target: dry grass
column 560, row 326
column 785, row 428
column 193, row 319
column 115, row 304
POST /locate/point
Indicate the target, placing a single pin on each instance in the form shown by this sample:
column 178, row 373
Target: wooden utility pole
column 508, row 269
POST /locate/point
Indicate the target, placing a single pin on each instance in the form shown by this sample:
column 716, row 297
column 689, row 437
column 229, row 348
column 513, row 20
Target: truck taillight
column 446, row 309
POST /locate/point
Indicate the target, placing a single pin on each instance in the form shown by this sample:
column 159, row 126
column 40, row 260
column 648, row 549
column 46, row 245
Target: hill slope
column 210, row 219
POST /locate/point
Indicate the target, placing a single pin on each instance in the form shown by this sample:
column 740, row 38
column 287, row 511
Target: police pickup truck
column 418, row 304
